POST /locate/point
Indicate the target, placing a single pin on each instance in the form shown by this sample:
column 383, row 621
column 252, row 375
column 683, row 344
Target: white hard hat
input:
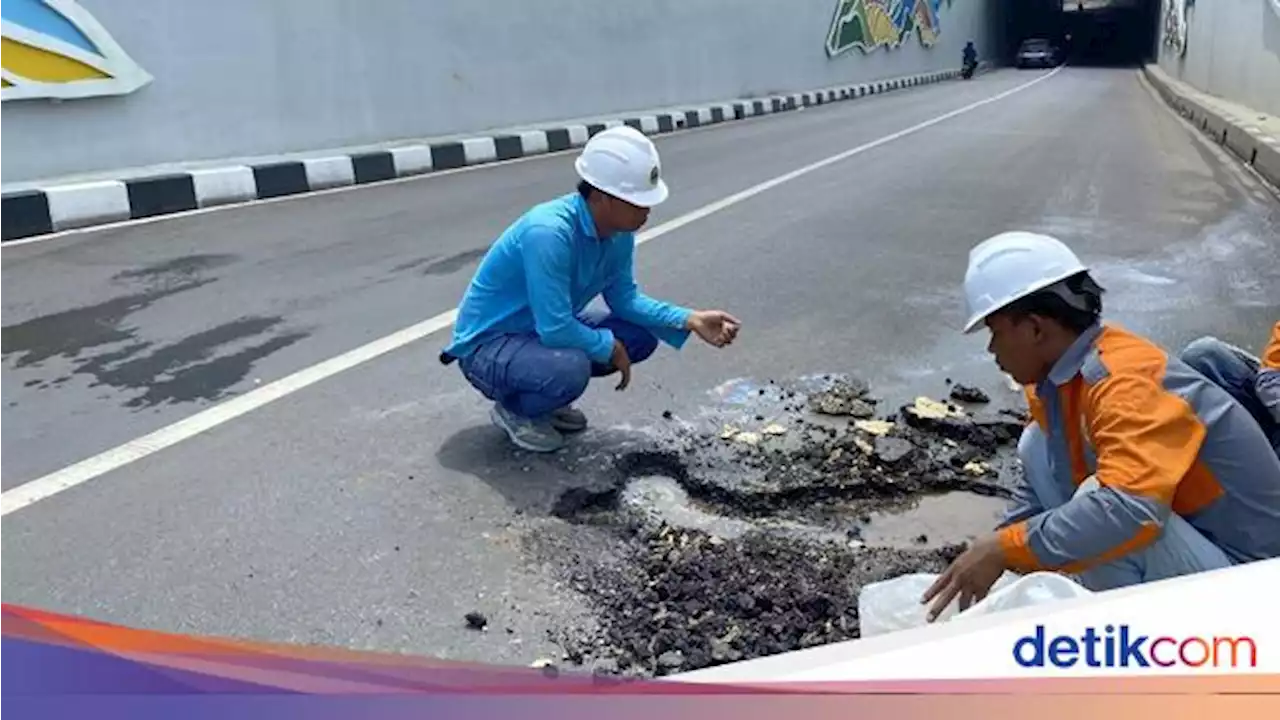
column 1011, row 266
column 624, row 163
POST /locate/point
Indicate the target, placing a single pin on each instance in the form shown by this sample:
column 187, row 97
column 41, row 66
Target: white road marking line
column 86, row 470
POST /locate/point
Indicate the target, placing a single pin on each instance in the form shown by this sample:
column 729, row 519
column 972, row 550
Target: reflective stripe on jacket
column 1160, row 439
column 1267, row 384
column 1271, row 353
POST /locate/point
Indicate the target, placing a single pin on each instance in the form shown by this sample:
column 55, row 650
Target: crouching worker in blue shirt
column 522, row 337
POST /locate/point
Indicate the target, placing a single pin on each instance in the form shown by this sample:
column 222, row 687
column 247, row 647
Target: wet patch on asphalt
column 192, row 368
column 70, row 333
column 447, row 265
column 99, row 343
column 750, row 531
column 453, row 263
column 185, row 266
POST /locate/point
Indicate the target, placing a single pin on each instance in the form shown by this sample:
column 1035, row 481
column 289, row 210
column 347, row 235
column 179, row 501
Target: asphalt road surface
column 376, row 507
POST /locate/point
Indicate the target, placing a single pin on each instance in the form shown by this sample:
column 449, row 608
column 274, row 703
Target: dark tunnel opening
column 1111, row 33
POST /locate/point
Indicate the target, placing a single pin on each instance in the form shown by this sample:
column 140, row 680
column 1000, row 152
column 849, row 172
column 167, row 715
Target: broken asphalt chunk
column 969, row 394
column 892, row 451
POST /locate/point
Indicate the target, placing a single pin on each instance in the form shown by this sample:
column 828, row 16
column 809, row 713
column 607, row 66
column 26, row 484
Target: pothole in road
column 946, row 519
column 664, row 500
column 753, row 534
column 931, row 521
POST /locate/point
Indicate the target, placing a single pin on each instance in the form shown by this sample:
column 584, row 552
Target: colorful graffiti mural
column 56, row 49
column 870, row 24
column 1175, row 25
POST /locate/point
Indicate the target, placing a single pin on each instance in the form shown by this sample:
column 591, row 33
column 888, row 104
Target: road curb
column 57, row 207
column 1245, row 140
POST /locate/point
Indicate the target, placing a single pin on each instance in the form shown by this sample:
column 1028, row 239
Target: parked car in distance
column 1036, row 52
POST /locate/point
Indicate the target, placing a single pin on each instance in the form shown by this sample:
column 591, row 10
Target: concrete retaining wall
column 236, row 79
column 1228, row 48
column 39, row 210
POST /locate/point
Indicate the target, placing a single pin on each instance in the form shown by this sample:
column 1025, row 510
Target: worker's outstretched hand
column 970, row 577
column 716, row 327
column 621, row 362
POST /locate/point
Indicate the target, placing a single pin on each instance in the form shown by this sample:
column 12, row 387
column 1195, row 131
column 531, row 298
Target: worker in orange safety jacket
column 1136, row 466
column 1253, row 382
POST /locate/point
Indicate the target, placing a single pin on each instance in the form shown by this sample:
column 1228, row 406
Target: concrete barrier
column 1267, row 161
column 1255, row 147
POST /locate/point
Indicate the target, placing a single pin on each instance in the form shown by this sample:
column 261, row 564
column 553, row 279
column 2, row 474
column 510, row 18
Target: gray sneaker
column 569, row 419
column 539, row 437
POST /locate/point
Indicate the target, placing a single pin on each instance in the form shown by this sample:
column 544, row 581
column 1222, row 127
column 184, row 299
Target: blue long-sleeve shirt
column 542, row 273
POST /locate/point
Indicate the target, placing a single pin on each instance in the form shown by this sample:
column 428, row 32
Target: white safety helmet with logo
column 1011, row 266
column 622, row 162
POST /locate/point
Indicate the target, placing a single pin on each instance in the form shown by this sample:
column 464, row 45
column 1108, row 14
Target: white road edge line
column 49, row 485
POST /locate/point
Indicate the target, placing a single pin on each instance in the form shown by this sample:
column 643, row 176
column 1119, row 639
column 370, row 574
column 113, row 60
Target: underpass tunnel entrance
column 1116, row 33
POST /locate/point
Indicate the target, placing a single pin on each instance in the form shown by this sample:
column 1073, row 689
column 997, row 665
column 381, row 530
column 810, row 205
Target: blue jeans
column 1180, row 549
column 531, row 380
column 1235, row 371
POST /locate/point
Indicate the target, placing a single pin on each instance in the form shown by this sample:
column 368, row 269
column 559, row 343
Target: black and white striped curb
column 59, row 207
column 1240, row 135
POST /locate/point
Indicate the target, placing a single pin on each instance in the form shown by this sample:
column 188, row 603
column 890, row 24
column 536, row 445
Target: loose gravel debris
column 675, row 598
column 690, row 600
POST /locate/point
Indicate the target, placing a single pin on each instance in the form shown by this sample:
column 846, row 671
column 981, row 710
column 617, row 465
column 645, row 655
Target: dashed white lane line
column 69, row 477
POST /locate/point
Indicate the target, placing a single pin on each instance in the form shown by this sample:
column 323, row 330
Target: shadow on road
column 531, row 482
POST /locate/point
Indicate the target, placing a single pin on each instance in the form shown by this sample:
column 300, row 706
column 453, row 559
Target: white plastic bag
column 894, row 604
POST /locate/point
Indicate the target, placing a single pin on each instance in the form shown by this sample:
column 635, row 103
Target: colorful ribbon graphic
column 56, row 49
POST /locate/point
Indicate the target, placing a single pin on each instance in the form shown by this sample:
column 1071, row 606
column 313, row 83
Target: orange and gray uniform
column 1267, row 384
column 1160, row 439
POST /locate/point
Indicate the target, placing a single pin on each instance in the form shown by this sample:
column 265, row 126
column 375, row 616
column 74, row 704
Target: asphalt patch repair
column 746, row 540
